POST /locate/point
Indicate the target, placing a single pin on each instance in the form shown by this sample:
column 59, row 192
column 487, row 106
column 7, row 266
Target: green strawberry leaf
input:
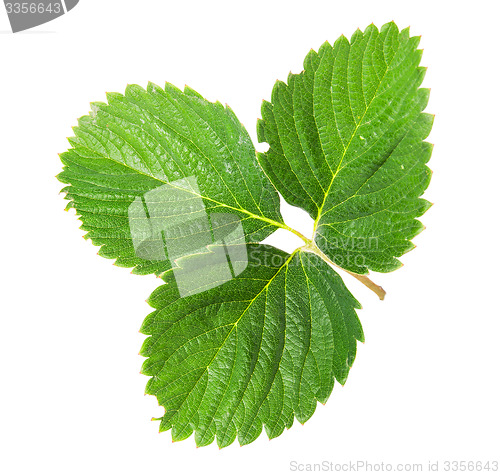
column 243, row 335
column 346, row 144
column 260, row 349
column 145, row 139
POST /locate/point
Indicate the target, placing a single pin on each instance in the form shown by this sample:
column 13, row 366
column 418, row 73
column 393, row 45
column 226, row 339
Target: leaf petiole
column 310, row 246
column 364, row 279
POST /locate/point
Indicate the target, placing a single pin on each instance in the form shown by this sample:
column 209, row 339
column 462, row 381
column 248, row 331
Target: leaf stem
column 297, row 233
column 312, row 247
column 364, row 279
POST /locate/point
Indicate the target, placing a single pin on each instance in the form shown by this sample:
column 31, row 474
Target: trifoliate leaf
column 243, row 335
column 262, row 348
column 143, row 140
column 346, row 144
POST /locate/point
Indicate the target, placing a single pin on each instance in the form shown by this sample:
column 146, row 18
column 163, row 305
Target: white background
column 425, row 385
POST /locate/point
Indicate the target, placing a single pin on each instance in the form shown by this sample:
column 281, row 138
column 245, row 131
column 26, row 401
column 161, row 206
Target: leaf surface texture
column 346, row 144
column 260, row 349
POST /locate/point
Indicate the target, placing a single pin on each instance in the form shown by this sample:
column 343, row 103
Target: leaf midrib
column 375, row 95
column 234, row 325
column 241, row 210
